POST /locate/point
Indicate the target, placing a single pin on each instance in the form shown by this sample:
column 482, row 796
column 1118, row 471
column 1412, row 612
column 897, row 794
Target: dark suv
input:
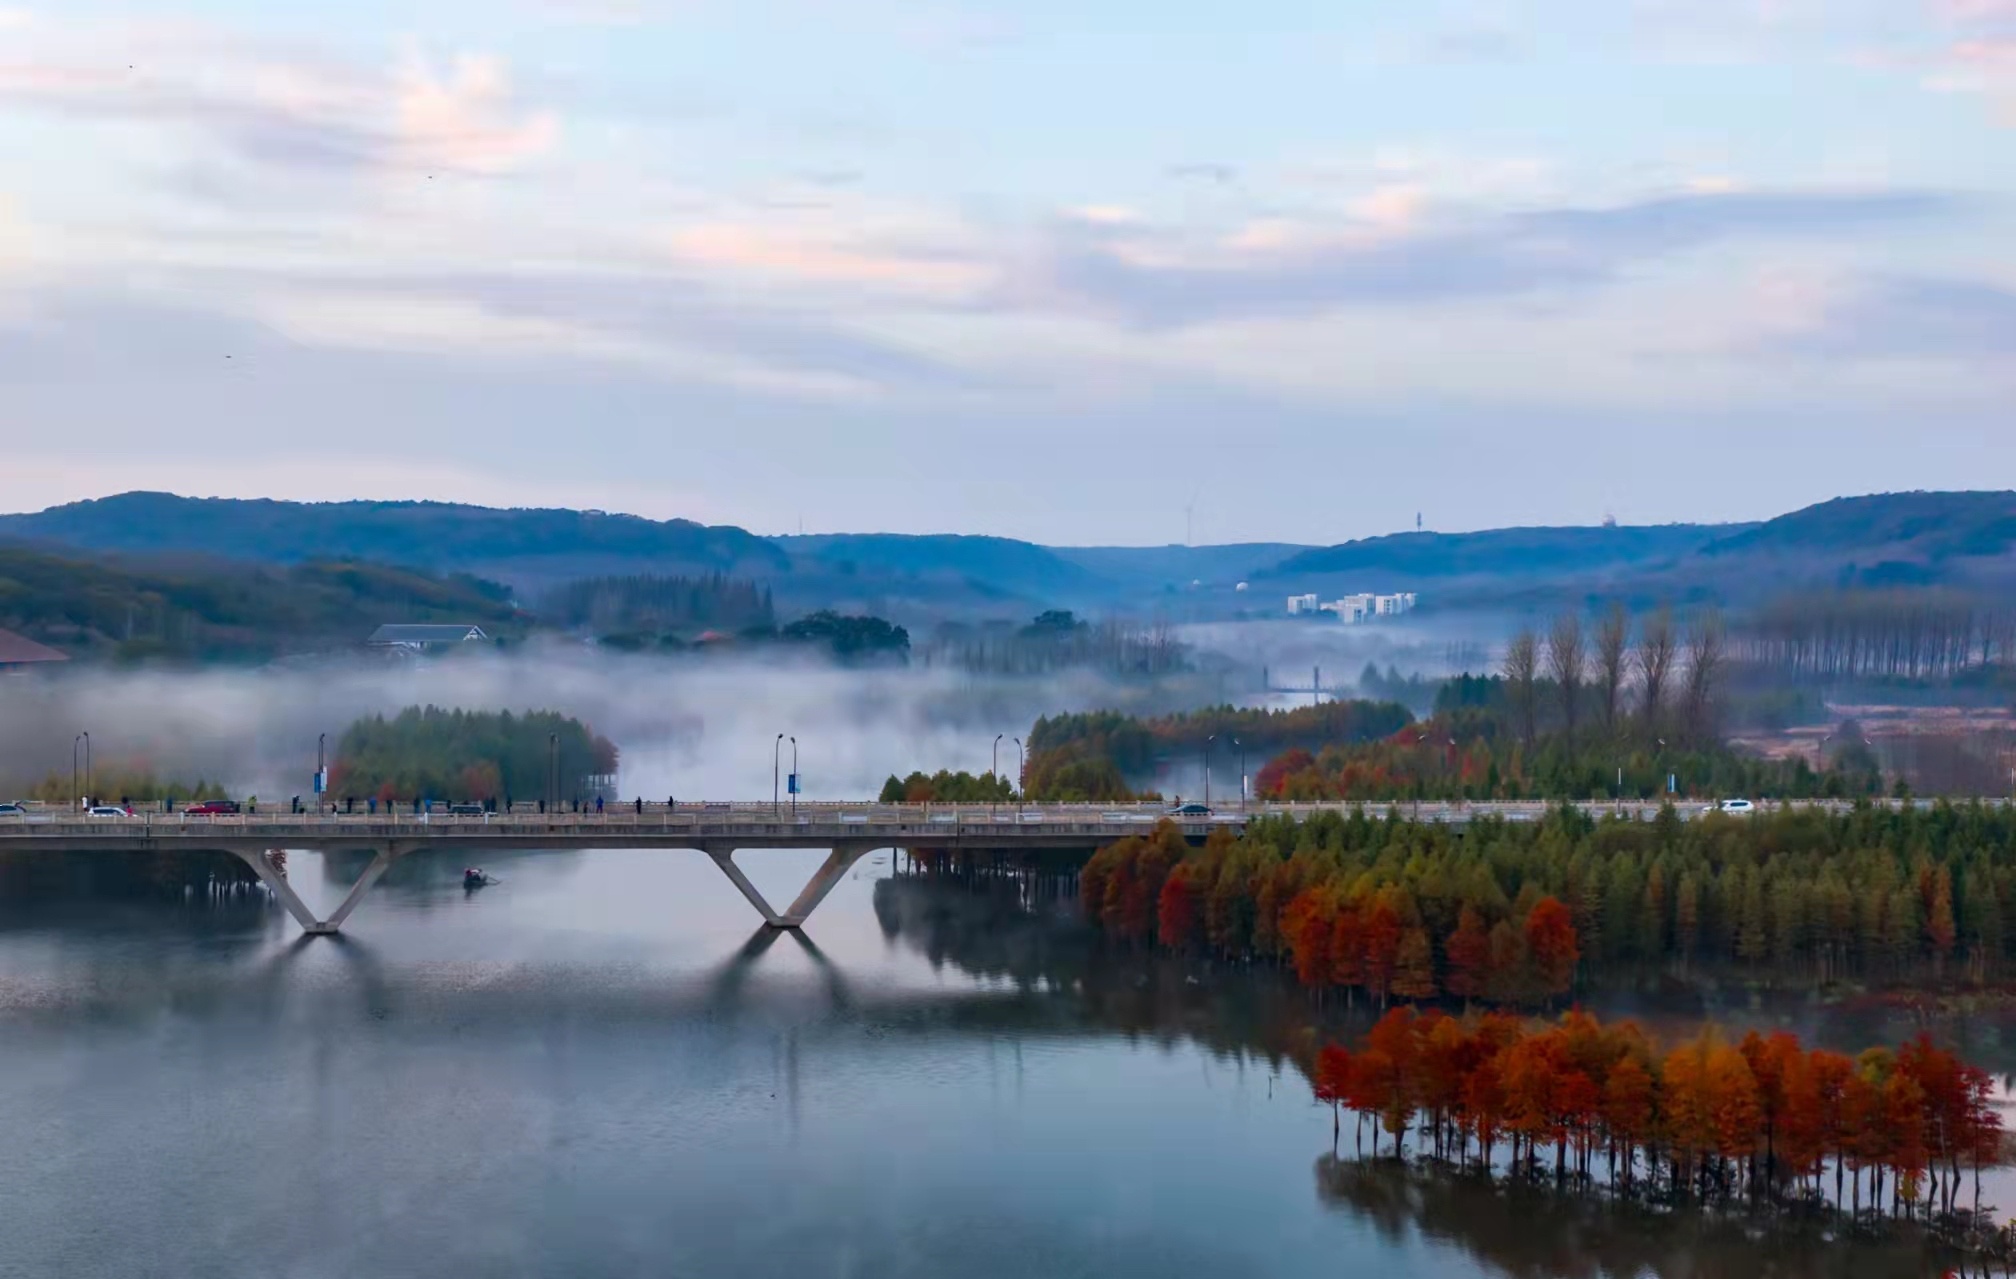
column 212, row 807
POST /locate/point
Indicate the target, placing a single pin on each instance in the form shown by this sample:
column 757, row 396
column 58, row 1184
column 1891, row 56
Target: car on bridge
column 212, row 807
column 1190, row 810
column 465, row 810
column 108, row 810
column 1734, row 806
column 13, row 810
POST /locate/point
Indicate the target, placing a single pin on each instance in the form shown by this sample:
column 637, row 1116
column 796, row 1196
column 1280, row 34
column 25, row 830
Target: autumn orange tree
column 1764, row 1118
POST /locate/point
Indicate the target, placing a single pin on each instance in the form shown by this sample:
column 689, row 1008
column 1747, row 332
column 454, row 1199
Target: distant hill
column 1882, row 540
column 192, row 607
column 1410, row 558
column 439, row 536
column 1926, row 527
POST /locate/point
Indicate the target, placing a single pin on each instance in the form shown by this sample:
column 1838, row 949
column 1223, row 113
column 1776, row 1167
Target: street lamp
column 1207, row 768
column 76, row 794
column 794, row 777
column 1021, row 772
column 994, row 773
column 1241, row 748
column 776, row 753
column 553, row 772
column 321, row 767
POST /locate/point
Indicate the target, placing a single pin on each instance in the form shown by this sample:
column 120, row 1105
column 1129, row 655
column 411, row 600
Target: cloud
column 286, row 107
column 1203, row 171
column 1132, row 274
column 1913, row 318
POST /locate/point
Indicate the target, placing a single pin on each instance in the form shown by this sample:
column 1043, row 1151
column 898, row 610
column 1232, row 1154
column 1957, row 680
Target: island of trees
column 1765, row 1119
column 468, row 756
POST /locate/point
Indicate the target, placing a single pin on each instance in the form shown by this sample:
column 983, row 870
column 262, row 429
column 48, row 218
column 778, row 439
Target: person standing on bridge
column 598, row 805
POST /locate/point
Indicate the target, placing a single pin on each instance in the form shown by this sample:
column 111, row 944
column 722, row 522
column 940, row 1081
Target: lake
column 600, row 1066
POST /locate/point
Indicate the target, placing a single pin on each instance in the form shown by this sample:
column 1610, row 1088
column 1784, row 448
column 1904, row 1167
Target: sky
column 1108, row 272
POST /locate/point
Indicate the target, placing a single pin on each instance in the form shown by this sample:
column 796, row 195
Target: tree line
column 1103, row 755
column 1421, row 910
column 647, row 604
column 944, row 787
column 1765, row 1118
column 1059, row 640
column 1608, row 679
column 468, row 756
column 1895, row 634
column 1471, row 755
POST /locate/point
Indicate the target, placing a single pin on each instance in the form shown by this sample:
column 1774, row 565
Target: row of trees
column 1580, row 677
column 1765, row 1117
column 1469, row 756
column 945, row 787
column 647, row 604
column 1102, row 755
column 1792, row 897
column 1897, row 634
column 469, row 756
column 1353, row 935
column 1059, row 640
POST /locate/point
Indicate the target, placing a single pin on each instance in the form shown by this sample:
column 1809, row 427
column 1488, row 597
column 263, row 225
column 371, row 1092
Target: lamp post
column 994, row 772
column 776, row 753
column 77, row 795
column 1021, row 771
column 1662, row 764
column 553, row 772
column 321, row 767
column 794, row 777
column 1207, row 767
column 1241, row 748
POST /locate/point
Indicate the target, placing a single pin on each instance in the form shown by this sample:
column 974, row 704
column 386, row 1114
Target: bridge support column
column 831, row 872
column 269, row 875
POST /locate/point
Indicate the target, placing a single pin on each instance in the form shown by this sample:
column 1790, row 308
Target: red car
column 212, row 807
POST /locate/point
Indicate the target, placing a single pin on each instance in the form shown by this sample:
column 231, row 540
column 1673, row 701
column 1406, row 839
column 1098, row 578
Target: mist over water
column 690, row 727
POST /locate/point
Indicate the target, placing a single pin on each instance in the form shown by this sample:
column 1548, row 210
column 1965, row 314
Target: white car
column 108, row 810
column 1732, row 806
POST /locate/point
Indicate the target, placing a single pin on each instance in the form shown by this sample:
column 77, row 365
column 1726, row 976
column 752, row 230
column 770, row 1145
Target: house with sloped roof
column 424, row 637
column 19, row 653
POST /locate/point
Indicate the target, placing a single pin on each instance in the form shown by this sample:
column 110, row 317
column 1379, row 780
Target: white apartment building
column 1353, row 609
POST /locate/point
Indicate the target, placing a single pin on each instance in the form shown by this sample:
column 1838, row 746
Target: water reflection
column 1529, row 1233
column 601, row 1066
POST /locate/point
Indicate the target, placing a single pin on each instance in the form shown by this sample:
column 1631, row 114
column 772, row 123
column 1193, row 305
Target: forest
column 1420, row 910
column 1764, row 1119
column 468, row 756
column 643, row 606
column 202, row 609
column 1094, row 756
column 1057, row 640
column 944, row 787
column 1907, row 635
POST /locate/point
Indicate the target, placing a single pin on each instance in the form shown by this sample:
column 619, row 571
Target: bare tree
column 1613, row 655
column 1705, row 656
column 1522, row 670
column 1567, row 656
column 1657, row 643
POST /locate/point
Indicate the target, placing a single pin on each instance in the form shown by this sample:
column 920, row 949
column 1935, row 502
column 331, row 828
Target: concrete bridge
column 847, row 831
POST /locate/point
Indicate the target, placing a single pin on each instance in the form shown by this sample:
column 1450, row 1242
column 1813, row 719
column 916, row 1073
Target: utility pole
column 776, row 753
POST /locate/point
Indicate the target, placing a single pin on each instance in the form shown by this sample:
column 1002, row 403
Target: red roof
column 16, row 649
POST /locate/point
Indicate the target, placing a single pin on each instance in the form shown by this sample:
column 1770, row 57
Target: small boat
column 474, row 877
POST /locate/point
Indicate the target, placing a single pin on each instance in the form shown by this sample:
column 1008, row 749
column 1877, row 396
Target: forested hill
column 435, row 535
column 1965, row 539
column 208, row 609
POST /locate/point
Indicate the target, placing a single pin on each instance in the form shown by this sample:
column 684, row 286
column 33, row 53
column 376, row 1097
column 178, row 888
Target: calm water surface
column 598, row 1067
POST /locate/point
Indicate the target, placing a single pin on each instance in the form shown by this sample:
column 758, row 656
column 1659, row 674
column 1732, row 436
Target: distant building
column 1353, row 609
column 423, row 637
column 18, row 653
